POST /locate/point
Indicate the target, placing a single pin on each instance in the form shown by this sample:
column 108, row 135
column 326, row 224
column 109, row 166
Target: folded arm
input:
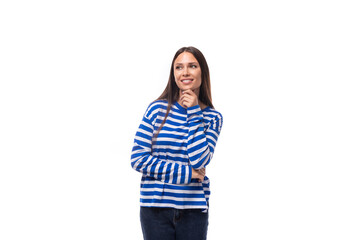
column 202, row 139
column 143, row 161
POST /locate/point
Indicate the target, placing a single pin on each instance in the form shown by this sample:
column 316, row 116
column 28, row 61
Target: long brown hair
column 171, row 92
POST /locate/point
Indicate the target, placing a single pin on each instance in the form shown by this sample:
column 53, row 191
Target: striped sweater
column 187, row 140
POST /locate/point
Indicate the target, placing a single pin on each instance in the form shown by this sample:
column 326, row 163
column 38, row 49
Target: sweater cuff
column 190, row 175
column 194, row 113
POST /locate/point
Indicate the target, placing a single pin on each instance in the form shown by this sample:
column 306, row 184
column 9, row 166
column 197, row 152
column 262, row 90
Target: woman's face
column 187, row 72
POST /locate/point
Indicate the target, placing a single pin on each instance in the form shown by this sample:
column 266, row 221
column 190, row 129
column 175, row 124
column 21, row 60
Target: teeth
column 186, row 81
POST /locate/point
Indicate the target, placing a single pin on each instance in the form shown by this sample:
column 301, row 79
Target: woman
column 172, row 147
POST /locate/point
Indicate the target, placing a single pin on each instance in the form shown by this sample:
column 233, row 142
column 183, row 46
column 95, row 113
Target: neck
column 202, row 106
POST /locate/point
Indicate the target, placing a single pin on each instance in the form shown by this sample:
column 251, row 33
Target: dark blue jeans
column 171, row 224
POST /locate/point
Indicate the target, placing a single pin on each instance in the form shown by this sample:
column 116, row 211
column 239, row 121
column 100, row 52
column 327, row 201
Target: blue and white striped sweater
column 187, row 140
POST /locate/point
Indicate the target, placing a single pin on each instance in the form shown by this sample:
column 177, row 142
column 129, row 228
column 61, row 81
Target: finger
column 188, row 92
column 201, row 179
column 201, row 172
column 187, row 98
column 186, row 103
column 184, row 98
column 187, row 95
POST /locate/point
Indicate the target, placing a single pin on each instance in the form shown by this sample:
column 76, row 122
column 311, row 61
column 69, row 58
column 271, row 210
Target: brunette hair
column 171, row 92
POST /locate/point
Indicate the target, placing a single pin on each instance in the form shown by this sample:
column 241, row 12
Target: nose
column 185, row 71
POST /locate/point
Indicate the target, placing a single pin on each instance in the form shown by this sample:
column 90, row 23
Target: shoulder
column 212, row 113
column 213, row 117
column 155, row 107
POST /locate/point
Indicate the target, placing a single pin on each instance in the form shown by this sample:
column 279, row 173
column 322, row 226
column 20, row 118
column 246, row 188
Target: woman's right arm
column 143, row 161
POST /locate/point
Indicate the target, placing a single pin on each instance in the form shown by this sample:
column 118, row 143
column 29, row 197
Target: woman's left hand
column 188, row 98
column 198, row 174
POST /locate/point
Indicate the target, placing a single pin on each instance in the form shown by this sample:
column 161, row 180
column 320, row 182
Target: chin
column 187, row 88
column 183, row 88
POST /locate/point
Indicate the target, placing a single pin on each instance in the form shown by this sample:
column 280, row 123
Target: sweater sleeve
column 143, row 161
column 202, row 139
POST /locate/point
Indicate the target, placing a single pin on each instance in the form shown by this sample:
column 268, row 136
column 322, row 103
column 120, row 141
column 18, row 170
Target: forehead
column 185, row 57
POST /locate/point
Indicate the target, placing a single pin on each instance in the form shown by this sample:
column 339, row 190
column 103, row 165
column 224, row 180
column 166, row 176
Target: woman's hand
column 188, row 98
column 198, row 174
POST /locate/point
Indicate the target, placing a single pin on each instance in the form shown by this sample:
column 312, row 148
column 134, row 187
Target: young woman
column 173, row 145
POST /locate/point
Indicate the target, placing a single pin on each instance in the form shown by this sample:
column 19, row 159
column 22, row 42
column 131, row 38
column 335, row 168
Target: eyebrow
column 186, row 63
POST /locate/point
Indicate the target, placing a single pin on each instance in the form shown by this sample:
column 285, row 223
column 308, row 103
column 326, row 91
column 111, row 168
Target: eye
column 178, row 67
column 193, row 66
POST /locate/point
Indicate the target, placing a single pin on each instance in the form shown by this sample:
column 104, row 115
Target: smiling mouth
column 186, row 80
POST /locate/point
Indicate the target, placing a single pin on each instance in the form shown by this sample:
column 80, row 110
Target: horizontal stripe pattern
column 187, row 140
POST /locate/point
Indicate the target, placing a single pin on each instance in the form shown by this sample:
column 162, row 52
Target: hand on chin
column 189, row 98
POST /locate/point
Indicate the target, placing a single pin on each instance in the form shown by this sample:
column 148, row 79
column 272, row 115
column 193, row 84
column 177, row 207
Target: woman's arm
column 201, row 141
column 143, row 161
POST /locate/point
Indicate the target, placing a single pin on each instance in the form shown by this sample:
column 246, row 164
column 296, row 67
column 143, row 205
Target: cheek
column 198, row 76
column 177, row 77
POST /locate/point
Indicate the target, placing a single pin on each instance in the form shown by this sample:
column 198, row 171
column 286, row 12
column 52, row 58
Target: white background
column 76, row 77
